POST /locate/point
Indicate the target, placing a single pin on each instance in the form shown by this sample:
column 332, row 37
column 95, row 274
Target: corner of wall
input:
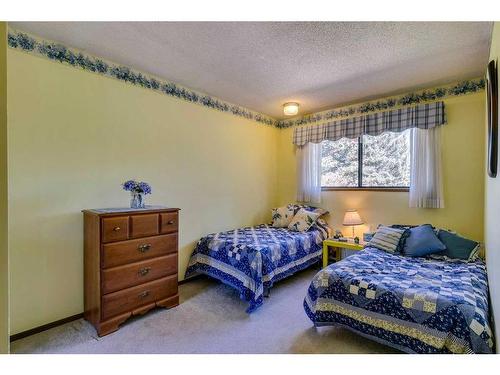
column 4, row 279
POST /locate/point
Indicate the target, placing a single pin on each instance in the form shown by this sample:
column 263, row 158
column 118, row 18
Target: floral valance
column 423, row 116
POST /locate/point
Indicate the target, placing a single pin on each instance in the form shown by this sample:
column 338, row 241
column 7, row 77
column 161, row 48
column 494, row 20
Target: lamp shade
column 352, row 218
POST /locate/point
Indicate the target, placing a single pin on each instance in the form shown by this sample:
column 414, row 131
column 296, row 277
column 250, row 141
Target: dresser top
column 127, row 210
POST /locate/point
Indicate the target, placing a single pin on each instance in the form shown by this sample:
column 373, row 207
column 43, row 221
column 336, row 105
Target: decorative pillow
column 403, row 226
column 317, row 210
column 407, row 232
column 458, row 247
column 303, row 220
column 322, row 225
column 422, row 241
column 282, row 216
column 388, row 239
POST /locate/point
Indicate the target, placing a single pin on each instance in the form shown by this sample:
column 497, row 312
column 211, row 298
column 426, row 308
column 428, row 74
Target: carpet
column 211, row 319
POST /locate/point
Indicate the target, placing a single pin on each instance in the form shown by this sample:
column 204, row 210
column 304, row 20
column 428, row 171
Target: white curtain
column 426, row 178
column 309, row 173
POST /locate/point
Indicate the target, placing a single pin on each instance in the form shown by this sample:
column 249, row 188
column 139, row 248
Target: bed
column 417, row 305
column 252, row 259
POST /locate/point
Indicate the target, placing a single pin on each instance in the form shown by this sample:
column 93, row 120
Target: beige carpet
column 211, row 319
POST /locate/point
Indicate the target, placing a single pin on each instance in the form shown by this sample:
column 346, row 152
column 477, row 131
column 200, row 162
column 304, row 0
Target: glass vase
column 137, row 200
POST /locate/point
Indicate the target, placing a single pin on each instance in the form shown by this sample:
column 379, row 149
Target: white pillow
column 387, row 238
column 317, row 210
column 282, row 216
column 303, row 220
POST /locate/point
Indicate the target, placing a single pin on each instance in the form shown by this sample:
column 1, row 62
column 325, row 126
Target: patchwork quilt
column 251, row 259
column 417, row 305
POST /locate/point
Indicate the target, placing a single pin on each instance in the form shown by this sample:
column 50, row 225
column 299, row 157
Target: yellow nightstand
column 338, row 246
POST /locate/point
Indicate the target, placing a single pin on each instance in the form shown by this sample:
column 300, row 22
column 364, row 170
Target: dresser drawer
column 122, row 277
column 114, row 228
column 117, row 254
column 169, row 222
column 144, row 225
column 129, row 299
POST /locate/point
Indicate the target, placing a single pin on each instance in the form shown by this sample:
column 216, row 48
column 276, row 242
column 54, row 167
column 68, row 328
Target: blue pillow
column 422, row 241
column 407, row 232
column 456, row 246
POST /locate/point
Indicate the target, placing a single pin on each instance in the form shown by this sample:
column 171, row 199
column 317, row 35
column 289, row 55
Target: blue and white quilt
column 251, row 259
column 417, row 305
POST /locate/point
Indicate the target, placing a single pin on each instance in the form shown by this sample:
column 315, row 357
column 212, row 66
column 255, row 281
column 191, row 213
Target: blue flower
column 25, row 42
column 143, row 187
column 169, row 88
column 101, row 66
column 137, row 187
column 54, row 52
column 155, row 84
column 129, row 185
column 121, row 72
column 12, row 41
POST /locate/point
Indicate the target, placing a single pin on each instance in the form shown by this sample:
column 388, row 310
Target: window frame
column 360, row 187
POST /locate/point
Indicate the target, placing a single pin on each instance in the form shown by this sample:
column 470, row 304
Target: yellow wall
column 4, row 278
column 492, row 218
column 74, row 136
column 463, row 169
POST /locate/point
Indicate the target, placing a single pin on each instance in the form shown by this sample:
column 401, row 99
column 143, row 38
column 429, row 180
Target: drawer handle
column 144, row 271
column 116, row 229
column 144, row 248
column 170, row 222
column 144, row 294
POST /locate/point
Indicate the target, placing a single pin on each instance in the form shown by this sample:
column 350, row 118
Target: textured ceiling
column 261, row 65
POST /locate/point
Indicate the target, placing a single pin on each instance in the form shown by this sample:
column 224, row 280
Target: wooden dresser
column 130, row 263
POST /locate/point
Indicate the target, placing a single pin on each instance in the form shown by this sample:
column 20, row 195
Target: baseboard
column 45, row 327
column 60, row 322
column 192, row 278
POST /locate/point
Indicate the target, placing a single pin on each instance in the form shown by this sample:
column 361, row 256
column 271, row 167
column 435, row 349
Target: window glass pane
column 339, row 163
column 386, row 160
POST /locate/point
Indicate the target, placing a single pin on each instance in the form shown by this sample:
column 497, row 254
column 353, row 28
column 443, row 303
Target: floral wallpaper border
column 458, row 89
column 58, row 52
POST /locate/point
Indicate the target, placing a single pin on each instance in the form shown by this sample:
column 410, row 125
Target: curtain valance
column 422, row 116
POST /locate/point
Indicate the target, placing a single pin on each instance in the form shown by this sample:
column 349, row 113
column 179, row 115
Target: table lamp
column 352, row 218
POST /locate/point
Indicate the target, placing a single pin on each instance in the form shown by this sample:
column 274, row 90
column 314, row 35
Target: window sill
column 387, row 189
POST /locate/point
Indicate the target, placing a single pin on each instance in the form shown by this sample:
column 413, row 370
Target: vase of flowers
column 137, row 190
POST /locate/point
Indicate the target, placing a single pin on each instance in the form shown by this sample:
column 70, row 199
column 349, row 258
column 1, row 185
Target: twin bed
column 252, row 259
column 417, row 305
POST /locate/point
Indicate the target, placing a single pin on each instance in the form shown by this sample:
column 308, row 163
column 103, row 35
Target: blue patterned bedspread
column 251, row 259
column 417, row 305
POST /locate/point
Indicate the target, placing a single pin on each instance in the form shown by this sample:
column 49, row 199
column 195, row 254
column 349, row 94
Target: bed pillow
column 405, row 235
column 422, row 241
column 303, row 220
column 282, row 216
column 458, row 247
column 323, row 227
column 388, row 239
column 317, row 210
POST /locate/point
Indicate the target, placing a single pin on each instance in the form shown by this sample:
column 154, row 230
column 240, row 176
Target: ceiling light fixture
column 291, row 108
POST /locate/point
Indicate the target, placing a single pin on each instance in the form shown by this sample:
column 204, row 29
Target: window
column 367, row 162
